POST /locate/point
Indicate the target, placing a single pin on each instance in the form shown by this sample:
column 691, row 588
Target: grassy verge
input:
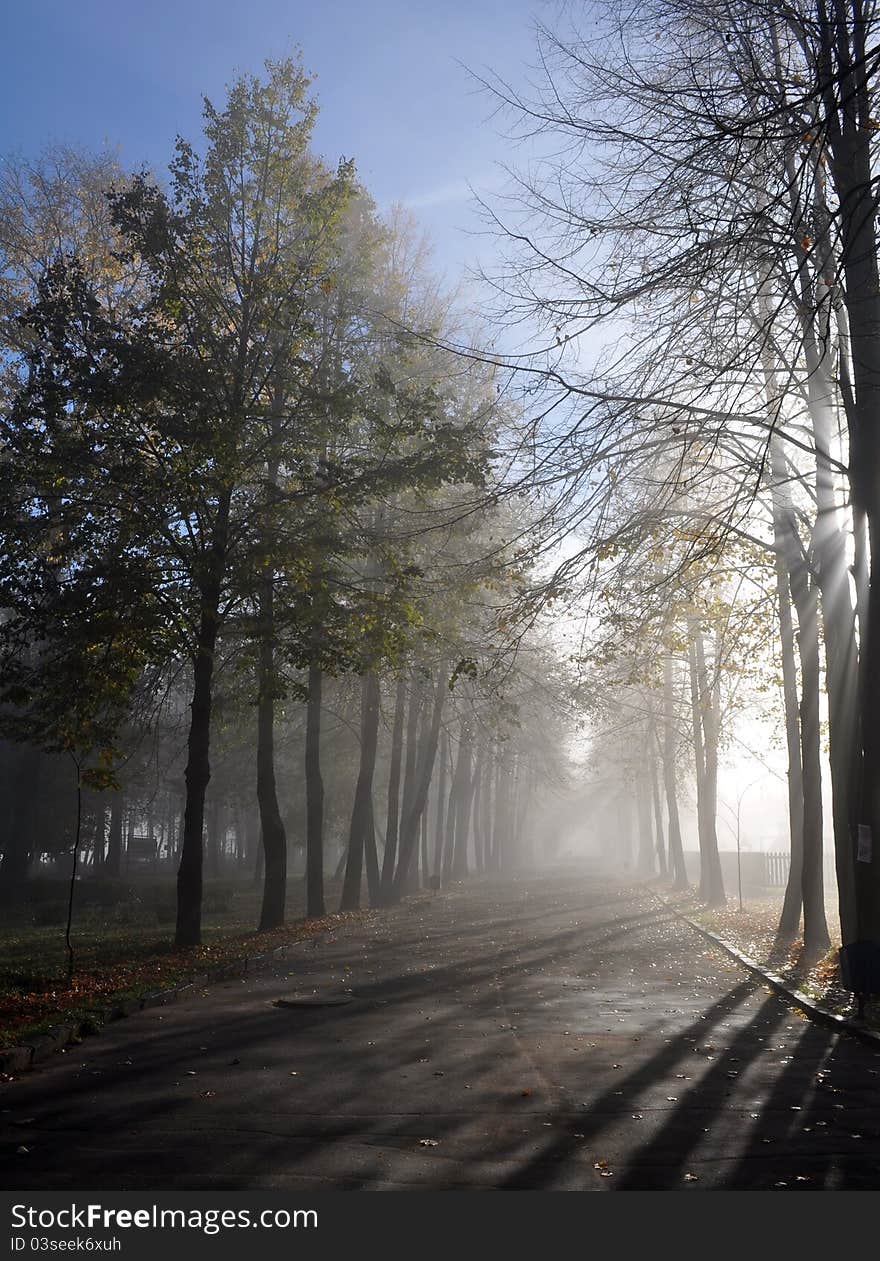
column 124, row 956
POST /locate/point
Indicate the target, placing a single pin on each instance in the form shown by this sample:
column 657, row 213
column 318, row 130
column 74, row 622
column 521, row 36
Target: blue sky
column 392, row 93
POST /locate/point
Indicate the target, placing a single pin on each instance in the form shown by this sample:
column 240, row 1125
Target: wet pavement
column 554, row 1032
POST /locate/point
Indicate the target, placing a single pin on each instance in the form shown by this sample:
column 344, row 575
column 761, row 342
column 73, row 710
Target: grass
column 124, row 953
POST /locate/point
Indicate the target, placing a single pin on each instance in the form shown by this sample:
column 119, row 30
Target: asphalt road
column 560, row 1032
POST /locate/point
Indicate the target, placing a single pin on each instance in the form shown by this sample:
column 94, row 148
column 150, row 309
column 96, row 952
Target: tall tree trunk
column 314, row 799
column 362, row 809
column 412, row 744
column 440, row 808
column 676, row 851
column 197, row 776
column 699, row 763
column 374, row 879
column 816, row 939
column 389, row 858
column 655, row 798
column 786, row 547
column 425, row 870
column 451, row 813
column 422, row 780
column 710, row 710
column 829, row 544
column 272, row 830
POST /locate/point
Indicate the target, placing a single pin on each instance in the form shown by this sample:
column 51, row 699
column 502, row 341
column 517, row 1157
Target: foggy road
column 558, row 1032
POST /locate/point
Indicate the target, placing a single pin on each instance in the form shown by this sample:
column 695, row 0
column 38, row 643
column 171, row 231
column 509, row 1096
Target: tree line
column 239, row 474
column 697, row 241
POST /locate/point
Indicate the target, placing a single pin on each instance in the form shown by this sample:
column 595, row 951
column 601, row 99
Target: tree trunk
column 451, row 815
column 440, row 809
column 786, row 546
column 658, row 809
column 424, row 847
column 389, row 857
column 197, row 776
column 711, row 709
column 422, row 780
column 699, row 763
column 676, row 851
column 314, row 800
column 816, row 939
column 374, row 879
column 272, row 831
column 848, row 127
column 362, row 810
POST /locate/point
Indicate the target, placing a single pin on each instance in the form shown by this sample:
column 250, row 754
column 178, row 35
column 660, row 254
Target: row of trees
column 709, row 199
column 235, row 466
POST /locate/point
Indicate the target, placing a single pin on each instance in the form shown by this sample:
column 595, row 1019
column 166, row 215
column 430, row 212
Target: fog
column 440, row 525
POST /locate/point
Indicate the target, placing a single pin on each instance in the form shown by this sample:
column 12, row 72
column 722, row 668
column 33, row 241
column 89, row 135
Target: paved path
column 561, row 1033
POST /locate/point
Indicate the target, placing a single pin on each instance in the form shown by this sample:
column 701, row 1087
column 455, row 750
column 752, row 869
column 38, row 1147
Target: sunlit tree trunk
column 848, row 123
column 786, row 546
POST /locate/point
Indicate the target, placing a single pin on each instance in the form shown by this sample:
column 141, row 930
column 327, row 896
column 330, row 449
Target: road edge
column 813, row 1010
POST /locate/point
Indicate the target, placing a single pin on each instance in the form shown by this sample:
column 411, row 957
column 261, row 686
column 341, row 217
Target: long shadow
column 658, row 1164
column 616, row 1102
column 828, row 1143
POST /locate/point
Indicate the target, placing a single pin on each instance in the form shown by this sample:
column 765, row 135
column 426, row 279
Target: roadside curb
column 813, row 1010
column 36, row 1050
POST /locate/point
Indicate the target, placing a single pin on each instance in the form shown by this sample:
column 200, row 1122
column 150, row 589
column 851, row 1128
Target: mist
column 439, row 623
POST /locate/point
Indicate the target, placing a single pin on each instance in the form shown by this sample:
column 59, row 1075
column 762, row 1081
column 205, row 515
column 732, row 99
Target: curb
column 20, row 1059
column 813, row 1010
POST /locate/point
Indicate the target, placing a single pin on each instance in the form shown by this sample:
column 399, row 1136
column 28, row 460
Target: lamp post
column 739, row 802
